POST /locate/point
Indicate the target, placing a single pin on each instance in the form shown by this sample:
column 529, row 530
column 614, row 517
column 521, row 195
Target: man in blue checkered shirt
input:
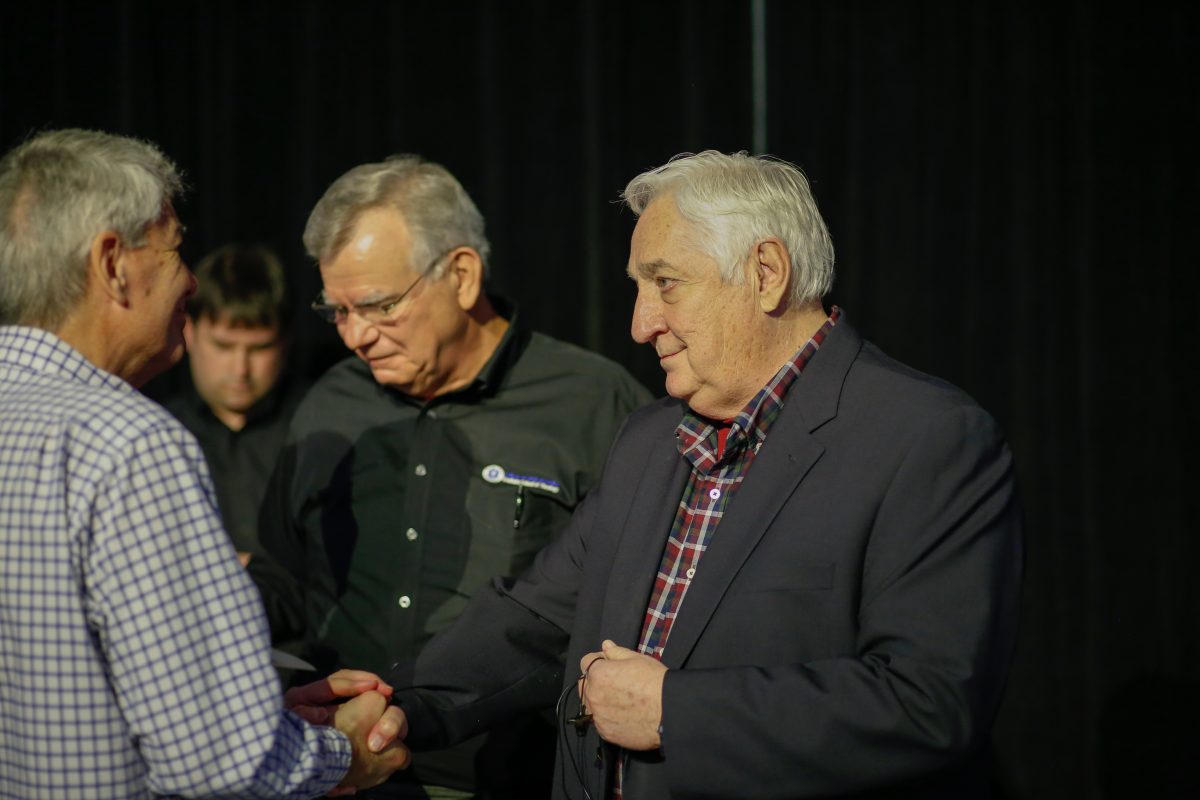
column 134, row 656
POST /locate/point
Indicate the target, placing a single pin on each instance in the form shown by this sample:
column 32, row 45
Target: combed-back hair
column 58, row 191
column 439, row 213
column 243, row 285
column 735, row 201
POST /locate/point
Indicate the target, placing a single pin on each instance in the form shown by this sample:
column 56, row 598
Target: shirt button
column 715, row 494
column 405, row 601
column 421, row 471
column 431, row 414
column 411, row 534
column 691, row 573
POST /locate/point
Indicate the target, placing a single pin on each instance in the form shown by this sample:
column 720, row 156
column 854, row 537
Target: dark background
column 1009, row 187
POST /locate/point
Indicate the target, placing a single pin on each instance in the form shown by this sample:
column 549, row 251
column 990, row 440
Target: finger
column 348, row 682
column 313, row 715
column 341, row 791
column 588, row 659
column 329, row 689
column 391, row 727
column 359, row 675
column 396, row 755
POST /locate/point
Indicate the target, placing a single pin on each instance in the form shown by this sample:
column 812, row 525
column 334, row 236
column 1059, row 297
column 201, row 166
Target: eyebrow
column 648, row 269
column 372, row 298
column 375, row 298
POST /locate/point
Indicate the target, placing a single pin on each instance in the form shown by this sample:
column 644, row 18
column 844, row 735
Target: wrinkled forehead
column 663, row 238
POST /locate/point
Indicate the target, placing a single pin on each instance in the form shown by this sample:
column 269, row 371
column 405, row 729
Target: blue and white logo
column 494, row 473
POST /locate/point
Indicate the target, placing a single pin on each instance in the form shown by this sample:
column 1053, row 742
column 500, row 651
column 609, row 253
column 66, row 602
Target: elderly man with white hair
column 134, row 657
column 798, row 575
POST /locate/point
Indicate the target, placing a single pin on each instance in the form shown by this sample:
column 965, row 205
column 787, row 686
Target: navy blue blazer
column 849, row 628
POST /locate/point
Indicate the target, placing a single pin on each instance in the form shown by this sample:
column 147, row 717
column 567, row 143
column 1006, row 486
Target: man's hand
column 356, row 718
column 623, row 692
column 316, row 702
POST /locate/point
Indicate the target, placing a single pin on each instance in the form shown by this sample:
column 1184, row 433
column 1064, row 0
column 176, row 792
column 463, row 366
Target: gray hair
column 437, row 210
column 58, row 191
column 735, row 201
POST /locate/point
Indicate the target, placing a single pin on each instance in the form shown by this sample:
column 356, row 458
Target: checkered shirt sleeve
column 134, row 652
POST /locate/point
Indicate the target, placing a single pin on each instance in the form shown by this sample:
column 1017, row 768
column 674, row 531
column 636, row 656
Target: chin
column 402, row 381
column 680, row 389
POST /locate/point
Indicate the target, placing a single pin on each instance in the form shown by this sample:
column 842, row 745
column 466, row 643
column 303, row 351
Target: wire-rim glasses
column 376, row 312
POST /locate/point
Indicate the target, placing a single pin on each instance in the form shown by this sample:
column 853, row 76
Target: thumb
column 614, row 652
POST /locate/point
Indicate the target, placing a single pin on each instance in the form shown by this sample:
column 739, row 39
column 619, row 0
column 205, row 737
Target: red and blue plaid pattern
column 720, row 454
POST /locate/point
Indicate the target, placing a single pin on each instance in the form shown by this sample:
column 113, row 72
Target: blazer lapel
column 788, row 454
column 777, row 470
column 655, row 498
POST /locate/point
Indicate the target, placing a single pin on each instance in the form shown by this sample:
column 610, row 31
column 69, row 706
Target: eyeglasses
column 377, row 312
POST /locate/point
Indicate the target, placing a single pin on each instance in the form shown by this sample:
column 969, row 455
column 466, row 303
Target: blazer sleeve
column 936, row 628
column 504, row 654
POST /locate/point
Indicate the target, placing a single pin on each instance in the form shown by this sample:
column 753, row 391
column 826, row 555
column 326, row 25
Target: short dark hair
column 245, row 285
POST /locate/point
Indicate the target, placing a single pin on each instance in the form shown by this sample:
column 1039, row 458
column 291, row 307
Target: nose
column 648, row 319
column 242, row 362
column 356, row 332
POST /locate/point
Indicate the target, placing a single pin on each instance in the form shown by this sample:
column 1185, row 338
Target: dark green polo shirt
column 391, row 512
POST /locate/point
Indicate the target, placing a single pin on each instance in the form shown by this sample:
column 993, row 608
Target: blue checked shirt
column 134, row 652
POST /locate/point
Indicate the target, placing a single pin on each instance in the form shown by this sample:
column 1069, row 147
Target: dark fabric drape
column 1009, row 186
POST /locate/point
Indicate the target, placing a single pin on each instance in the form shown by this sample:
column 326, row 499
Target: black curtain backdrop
column 1009, row 186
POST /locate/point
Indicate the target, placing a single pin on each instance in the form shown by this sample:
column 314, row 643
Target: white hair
column 438, row 212
column 735, row 201
column 58, row 191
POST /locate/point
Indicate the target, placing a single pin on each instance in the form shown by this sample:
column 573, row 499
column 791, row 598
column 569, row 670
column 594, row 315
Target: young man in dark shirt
column 237, row 403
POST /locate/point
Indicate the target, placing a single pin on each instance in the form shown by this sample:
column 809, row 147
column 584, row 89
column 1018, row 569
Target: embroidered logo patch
column 494, row 473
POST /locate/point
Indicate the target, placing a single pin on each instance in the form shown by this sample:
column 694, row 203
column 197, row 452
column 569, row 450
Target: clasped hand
column 622, row 689
column 375, row 729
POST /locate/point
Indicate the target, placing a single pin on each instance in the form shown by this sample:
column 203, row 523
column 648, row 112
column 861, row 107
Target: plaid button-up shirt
column 720, row 454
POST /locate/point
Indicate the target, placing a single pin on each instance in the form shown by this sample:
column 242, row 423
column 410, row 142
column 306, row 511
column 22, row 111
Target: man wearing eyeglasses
column 447, row 451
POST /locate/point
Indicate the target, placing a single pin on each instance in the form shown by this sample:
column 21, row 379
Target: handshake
column 356, row 703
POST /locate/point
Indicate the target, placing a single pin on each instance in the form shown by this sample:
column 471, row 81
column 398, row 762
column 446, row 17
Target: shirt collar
column 492, row 374
column 512, row 344
column 38, row 350
column 707, row 443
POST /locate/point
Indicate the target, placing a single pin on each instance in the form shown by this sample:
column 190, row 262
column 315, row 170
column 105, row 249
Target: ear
column 466, row 267
column 771, row 274
column 189, row 332
column 106, row 267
